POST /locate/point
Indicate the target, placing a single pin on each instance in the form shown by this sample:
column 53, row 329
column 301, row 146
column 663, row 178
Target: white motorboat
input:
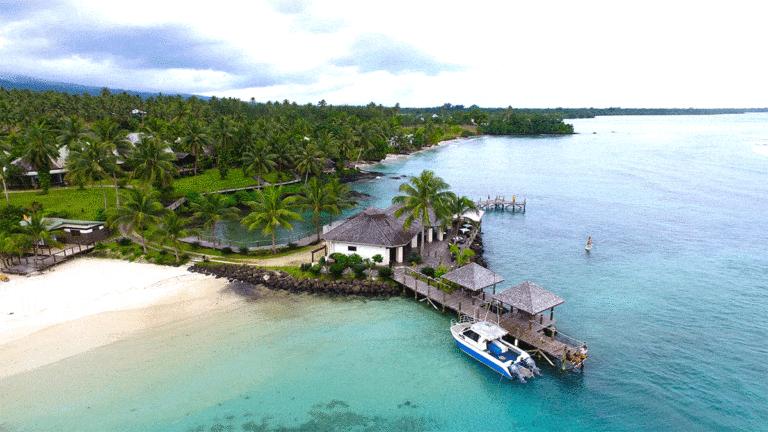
column 484, row 342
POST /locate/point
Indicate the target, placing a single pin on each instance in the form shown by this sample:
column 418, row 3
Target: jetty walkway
column 536, row 331
column 499, row 203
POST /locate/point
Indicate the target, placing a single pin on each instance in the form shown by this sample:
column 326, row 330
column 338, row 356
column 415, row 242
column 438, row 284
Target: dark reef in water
column 278, row 280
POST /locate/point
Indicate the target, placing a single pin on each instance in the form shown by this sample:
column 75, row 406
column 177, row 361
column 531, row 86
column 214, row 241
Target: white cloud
column 532, row 54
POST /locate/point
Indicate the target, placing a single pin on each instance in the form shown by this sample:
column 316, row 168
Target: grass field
column 71, row 203
column 84, row 204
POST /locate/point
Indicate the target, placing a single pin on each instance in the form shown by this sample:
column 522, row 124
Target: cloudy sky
column 413, row 52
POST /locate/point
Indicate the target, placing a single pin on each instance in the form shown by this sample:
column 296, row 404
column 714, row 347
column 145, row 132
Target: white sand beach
column 89, row 302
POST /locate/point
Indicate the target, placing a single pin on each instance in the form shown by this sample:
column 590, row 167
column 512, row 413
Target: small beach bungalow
column 72, row 231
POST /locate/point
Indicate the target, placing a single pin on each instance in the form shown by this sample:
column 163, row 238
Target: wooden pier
column 499, row 203
column 47, row 257
column 537, row 332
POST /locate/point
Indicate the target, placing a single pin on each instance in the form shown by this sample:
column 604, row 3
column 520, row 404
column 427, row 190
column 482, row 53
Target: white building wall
column 364, row 251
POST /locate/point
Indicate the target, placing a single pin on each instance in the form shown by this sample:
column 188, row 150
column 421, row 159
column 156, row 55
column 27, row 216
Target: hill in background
column 9, row 82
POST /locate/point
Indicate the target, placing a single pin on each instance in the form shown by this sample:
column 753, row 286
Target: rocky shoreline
column 278, row 280
column 478, row 249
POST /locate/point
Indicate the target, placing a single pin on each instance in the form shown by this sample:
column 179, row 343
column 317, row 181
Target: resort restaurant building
column 374, row 231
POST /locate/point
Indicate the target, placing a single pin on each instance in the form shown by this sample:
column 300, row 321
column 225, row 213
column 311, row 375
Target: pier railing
column 568, row 340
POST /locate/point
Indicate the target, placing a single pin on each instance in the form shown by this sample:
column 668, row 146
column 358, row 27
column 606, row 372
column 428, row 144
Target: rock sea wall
column 278, row 280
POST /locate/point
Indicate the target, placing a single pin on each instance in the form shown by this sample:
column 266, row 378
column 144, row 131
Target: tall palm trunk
column 117, row 190
column 103, row 194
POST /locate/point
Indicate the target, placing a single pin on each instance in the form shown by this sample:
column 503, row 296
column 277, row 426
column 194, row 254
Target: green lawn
column 84, row 204
column 209, row 181
column 71, row 203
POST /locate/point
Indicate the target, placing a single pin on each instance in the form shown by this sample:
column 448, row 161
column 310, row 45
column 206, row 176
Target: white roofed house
column 57, row 168
column 374, row 231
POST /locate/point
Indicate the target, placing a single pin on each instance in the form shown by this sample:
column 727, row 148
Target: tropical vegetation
column 53, row 139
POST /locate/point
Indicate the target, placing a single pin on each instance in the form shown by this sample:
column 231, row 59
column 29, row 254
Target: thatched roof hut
column 529, row 298
column 473, row 277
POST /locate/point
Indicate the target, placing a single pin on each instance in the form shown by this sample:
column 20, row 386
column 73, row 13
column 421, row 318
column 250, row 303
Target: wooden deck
column 554, row 347
column 500, row 203
column 47, row 257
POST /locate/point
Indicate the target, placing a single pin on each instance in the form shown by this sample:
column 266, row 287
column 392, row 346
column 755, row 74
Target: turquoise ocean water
column 672, row 301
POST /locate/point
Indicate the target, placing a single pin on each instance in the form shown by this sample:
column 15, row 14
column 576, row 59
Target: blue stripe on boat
column 484, row 360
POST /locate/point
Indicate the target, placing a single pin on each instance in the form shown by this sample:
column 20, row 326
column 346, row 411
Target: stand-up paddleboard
column 589, row 245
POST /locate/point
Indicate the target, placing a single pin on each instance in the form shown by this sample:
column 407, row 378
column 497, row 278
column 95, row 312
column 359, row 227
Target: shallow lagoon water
column 671, row 301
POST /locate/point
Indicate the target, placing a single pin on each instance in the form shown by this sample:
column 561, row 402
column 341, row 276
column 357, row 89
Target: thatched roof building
column 529, row 298
column 473, row 277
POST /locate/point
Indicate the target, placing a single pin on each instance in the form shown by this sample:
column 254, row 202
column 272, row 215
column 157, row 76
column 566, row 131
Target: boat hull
column 485, row 359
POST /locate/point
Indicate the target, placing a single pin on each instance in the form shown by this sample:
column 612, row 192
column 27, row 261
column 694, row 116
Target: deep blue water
column 672, row 301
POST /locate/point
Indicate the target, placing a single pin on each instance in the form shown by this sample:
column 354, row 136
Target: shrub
column 244, row 250
column 321, row 261
column 441, row 271
column 429, row 271
column 339, row 258
column 305, row 267
column 359, row 270
column 415, row 258
column 337, row 269
column 354, row 259
column 378, row 259
column 386, row 272
column 124, row 241
column 196, row 245
column 227, row 250
column 316, row 269
column 292, row 246
column 241, row 196
column 99, row 246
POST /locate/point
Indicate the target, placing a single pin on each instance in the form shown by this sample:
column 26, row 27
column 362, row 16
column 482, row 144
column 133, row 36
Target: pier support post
column 443, row 301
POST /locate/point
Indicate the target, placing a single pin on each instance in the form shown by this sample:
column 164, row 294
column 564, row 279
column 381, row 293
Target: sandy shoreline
column 396, row 157
column 90, row 302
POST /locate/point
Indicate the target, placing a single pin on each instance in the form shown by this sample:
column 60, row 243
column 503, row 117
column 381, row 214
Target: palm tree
column 107, row 131
column 93, row 161
column 6, row 168
column 196, row 138
column 340, row 192
column 9, row 245
column 152, row 162
column 462, row 255
column 172, row 230
column 258, row 159
column 71, row 132
column 270, row 211
column 212, row 208
column 456, row 207
column 368, row 135
column 224, row 129
column 309, row 160
column 345, row 138
column 39, row 149
column 138, row 211
column 421, row 194
column 35, row 231
column 317, row 199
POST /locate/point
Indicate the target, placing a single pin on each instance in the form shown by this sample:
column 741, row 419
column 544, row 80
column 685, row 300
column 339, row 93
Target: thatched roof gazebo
column 473, row 277
column 529, row 298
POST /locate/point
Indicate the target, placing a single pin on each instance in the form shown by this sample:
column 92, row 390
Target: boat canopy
column 488, row 330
